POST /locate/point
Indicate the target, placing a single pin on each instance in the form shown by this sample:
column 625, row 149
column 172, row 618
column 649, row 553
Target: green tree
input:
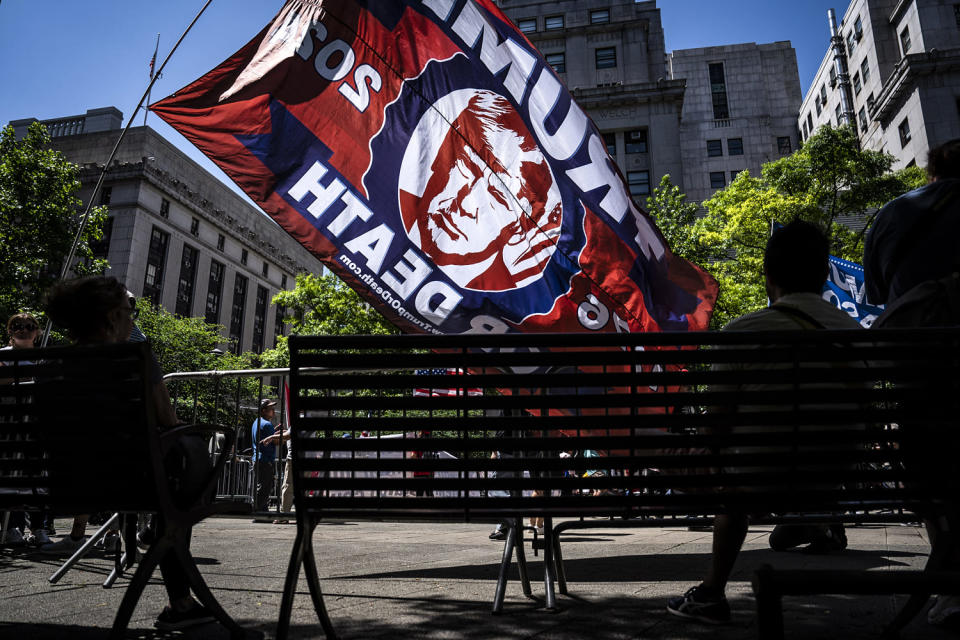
column 828, row 181
column 39, row 218
column 324, row 305
column 190, row 344
column 675, row 217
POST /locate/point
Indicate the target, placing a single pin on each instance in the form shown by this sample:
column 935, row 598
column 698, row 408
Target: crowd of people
column 911, row 261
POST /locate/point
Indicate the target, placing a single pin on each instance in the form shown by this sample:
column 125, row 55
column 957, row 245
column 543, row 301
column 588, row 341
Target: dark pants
column 263, row 483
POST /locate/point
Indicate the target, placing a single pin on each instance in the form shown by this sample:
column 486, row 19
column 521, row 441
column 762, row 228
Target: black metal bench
column 806, row 426
column 78, row 435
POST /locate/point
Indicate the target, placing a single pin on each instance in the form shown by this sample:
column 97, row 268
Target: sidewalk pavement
column 416, row 580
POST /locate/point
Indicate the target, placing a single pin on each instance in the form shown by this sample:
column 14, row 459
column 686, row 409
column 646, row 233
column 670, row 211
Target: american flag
column 425, row 392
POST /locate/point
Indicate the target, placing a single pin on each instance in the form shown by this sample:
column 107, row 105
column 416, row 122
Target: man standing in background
column 264, row 455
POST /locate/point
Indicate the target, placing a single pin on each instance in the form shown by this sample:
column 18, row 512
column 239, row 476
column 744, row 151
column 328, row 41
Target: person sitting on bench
column 795, row 267
column 99, row 310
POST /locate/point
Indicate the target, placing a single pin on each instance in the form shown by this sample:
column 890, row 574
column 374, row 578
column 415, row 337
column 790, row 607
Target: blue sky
column 62, row 57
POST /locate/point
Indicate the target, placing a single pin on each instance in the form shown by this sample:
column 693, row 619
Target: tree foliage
column 190, row 344
column 39, row 218
column 324, row 305
column 829, row 181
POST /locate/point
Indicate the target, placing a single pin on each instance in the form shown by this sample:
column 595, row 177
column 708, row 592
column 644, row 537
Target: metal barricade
column 231, row 399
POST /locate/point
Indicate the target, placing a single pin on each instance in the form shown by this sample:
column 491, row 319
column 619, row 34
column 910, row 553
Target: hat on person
column 266, row 403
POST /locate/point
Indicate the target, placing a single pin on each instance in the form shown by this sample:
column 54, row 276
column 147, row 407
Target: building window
column 819, row 108
column 905, row 40
column 805, row 131
column 639, row 183
column 851, row 43
column 606, row 58
column 279, row 315
column 558, row 61
column 105, row 194
column 734, row 146
column 636, row 141
column 857, row 85
column 164, row 208
column 714, row 148
column 188, row 275
column 600, row 16
column 833, row 76
column 259, row 319
column 156, row 261
column 266, row 269
column 527, row 25
column 283, row 281
column 214, row 293
column 904, row 130
column 552, row 23
column 244, row 254
column 610, row 140
column 220, row 241
column 837, row 112
column 718, row 180
column 101, row 248
column 195, row 227
column 718, row 91
column 735, row 173
column 236, row 312
column 858, row 27
column 865, row 70
column 783, row 145
column 863, row 119
column 870, row 101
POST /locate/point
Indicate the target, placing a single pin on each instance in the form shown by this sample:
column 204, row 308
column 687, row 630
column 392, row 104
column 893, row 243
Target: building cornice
column 904, row 78
column 622, row 94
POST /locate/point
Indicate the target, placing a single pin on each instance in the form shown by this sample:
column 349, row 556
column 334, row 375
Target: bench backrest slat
column 693, row 418
column 77, row 433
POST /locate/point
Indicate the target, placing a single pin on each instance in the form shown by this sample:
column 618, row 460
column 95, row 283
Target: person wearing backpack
column 911, row 259
column 912, row 263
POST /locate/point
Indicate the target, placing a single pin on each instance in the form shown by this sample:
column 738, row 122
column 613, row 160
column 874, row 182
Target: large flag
column 428, row 155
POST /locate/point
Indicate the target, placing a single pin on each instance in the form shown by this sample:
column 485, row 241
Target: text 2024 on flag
column 430, row 157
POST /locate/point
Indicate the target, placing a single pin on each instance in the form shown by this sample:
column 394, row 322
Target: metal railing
column 231, row 399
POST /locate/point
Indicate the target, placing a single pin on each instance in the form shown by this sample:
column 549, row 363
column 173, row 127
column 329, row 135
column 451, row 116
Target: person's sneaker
column 14, row 538
column 38, row 538
column 171, row 620
column 701, row 603
column 498, row 534
column 66, row 546
column 945, row 610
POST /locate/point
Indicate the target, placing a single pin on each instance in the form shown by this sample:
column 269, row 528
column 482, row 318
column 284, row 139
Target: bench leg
column 504, row 567
column 522, row 560
column 200, row 588
column 302, row 554
column 135, row 589
column 558, row 561
column 313, row 581
column 769, row 605
column 548, row 566
column 82, row 551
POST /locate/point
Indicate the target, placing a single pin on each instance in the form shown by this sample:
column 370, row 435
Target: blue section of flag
column 846, row 289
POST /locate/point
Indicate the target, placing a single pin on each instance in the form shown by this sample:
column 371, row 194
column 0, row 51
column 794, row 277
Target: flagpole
column 86, row 212
column 153, row 61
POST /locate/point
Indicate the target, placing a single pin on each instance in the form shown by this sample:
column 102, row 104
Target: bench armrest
column 230, row 434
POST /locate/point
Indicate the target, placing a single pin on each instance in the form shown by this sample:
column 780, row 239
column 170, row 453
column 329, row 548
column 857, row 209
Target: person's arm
column 276, row 437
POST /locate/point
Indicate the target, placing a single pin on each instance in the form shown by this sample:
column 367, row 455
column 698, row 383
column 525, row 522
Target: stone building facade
column 739, row 111
column 902, row 60
column 656, row 110
column 178, row 235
